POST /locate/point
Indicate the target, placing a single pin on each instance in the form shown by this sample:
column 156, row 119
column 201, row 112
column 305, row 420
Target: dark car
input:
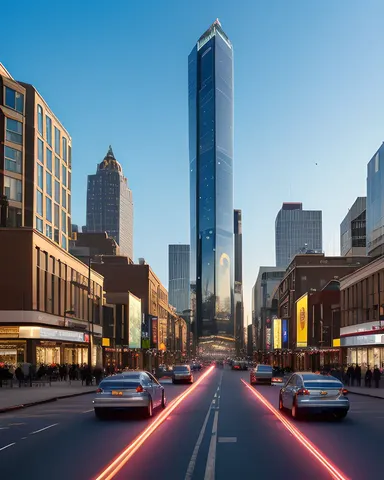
column 182, row 373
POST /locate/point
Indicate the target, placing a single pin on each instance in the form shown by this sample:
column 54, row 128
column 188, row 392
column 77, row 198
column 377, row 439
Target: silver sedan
column 129, row 390
column 313, row 393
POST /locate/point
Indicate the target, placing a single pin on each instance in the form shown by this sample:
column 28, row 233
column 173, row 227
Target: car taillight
column 99, row 390
column 302, row 391
column 139, row 389
column 343, row 391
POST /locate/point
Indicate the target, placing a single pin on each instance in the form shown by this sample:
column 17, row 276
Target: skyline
column 338, row 61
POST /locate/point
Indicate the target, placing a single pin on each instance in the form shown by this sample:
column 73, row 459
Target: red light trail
column 312, row 449
column 116, row 465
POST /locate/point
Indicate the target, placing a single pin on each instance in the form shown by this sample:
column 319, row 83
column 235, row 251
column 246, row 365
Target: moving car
column 129, row 390
column 314, row 393
column 261, row 374
column 237, row 365
column 182, row 373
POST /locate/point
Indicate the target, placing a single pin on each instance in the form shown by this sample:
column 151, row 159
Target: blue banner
column 285, row 333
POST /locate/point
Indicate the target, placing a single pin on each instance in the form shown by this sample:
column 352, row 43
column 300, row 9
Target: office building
column 110, row 204
column 210, row 89
column 353, row 230
column 35, row 163
column 179, row 257
column 238, row 291
column 375, row 203
column 297, row 231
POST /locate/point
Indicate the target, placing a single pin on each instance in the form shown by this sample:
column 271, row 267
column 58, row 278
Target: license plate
column 116, row 393
column 323, row 393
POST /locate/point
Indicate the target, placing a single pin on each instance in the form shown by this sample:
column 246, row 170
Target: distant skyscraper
column 110, row 204
column 179, row 277
column 297, row 231
column 375, row 202
column 210, row 89
column 239, row 304
column 353, row 238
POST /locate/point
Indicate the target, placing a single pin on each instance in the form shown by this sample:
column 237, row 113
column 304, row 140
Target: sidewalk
column 368, row 392
column 16, row 398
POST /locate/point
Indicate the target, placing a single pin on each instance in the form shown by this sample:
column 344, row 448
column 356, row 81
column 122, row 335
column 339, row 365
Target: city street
column 221, row 430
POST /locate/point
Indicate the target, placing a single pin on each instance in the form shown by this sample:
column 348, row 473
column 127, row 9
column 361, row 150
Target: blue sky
column 308, row 89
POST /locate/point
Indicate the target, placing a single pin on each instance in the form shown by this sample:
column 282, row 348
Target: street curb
column 41, row 402
column 365, row 395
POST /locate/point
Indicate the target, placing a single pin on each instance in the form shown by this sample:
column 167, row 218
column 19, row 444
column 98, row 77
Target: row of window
column 59, row 172
column 49, row 187
column 53, row 234
column 61, row 148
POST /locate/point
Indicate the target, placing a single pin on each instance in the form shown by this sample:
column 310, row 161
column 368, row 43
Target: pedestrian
column 358, row 375
column 376, row 376
column 350, row 375
column 368, row 377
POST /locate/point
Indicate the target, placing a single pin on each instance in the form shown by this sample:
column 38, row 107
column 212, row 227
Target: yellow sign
column 105, row 342
column 336, row 342
column 162, row 347
column 9, row 332
column 276, row 333
column 302, row 321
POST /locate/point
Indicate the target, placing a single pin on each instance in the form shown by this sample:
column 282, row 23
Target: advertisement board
column 285, row 333
column 268, row 338
column 134, row 322
column 154, row 331
column 277, row 333
column 302, row 321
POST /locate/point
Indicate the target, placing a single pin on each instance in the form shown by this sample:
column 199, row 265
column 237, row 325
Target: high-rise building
column 35, row 162
column 375, row 202
column 353, row 238
column 297, row 231
column 110, row 204
column 238, row 293
column 179, row 257
column 210, row 89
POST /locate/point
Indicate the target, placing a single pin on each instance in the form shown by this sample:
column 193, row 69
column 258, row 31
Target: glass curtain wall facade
column 353, row 229
column 179, row 277
column 375, row 204
column 210, row 86
column 297, row 231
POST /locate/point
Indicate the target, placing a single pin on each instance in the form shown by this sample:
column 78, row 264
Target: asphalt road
column 219, row 431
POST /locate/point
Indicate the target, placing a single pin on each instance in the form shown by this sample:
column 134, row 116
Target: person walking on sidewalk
column 376, row 376
column 350, row 375
column 358, row 375
column 368, row 377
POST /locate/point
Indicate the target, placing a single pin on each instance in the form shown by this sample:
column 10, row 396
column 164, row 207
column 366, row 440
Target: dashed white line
column 42, row 429
column 227, row 439
column 7, row 446
column 87, row 411
column 211, row 459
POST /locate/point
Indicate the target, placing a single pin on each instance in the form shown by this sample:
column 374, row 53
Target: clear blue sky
column 309, row 79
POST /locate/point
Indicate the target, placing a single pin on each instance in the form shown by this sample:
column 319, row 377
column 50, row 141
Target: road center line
column 87, row 411
column 42, row 429
column 211, row 459
column 7, row 446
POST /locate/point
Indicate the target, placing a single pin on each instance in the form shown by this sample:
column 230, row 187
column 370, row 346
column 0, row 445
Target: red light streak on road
column 116, row 465
column 313, row 450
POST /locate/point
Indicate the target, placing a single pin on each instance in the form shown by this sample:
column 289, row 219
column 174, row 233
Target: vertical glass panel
column 48, row 184
column 64, row 175
column 64, row 149
column 63, row 198
column 48, row 209
column 13, row 160
column 48, row 155
column 14, row 131
column 63, row 221
column 39, row 224
column 48, row 130
column 40, row 119
column 57, row 167
column 57, row 215
column 57, row 191
column 40, row 150
column 57, row 141
column 39, row 202
column 40, row 176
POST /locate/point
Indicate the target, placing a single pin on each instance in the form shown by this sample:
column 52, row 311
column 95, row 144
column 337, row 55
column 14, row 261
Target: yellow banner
column 276, row 333
column 302, row 321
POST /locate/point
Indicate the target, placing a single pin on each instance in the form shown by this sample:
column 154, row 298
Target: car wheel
column 149, row 410
column 99, row 413
column 163, row 400
column 294, row 411
column 281, row 404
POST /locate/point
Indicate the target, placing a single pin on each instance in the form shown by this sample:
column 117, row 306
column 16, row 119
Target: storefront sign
column 277, row 333
column 9, row 332
column 154, row 332
column 268, row 338
column 361, row 340
column 105, row 342
column 134, row 322
column 302, row 321
column 285, row 333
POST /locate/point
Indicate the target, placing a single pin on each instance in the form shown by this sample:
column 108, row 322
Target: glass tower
column 210, row 89
column 375, row 204
column 179, row 277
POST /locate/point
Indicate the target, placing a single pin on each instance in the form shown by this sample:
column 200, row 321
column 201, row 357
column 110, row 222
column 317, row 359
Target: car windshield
column 322, row 385
column 264, row 368
column 180, row 368
column 119, row 384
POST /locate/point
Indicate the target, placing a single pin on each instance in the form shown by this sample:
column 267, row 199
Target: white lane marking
column 7, row 446
column 87, row 411
column 227, row 439
column 15, row 424
column 213, row 402
column 211, row 459
column 4, row 428
column 42, row 429
column 23, row 438
column 215, row 395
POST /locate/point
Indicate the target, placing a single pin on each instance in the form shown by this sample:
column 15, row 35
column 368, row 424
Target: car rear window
column 180, row 369
column 264, row 368
column 120, row 385
column 322, row 385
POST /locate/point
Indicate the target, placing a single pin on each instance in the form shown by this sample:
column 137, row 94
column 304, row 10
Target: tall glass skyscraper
column 210, row 89
column 110, row 204
column 375, row 204
column 179, row 277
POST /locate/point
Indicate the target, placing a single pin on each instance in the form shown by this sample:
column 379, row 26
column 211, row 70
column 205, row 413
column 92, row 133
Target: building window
column 57, row 216
column 40, row 119
column 48, row 209
column 63, row 221
column 69, row 156
column 14, row 100
column 14, row 131
column 39, row 202
column 63, row 241
column 48, row 130
column 40, row 176
column 40, row 150
column 14, row 217
column 377, row 162
column 57, row 191
column 39, row 224
column 48, row 231
column 48, row 155
column 48, row 184
column 69, row 180
column 65, row 149
column 13, row 189
column 56, row 235
column 63, row 198
column 64, row 175
column 13, row 160
column 57, row 141
column 69, row 204
column 57, row 167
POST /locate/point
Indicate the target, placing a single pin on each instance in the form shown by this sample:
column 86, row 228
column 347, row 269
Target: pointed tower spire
column 110, row 152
